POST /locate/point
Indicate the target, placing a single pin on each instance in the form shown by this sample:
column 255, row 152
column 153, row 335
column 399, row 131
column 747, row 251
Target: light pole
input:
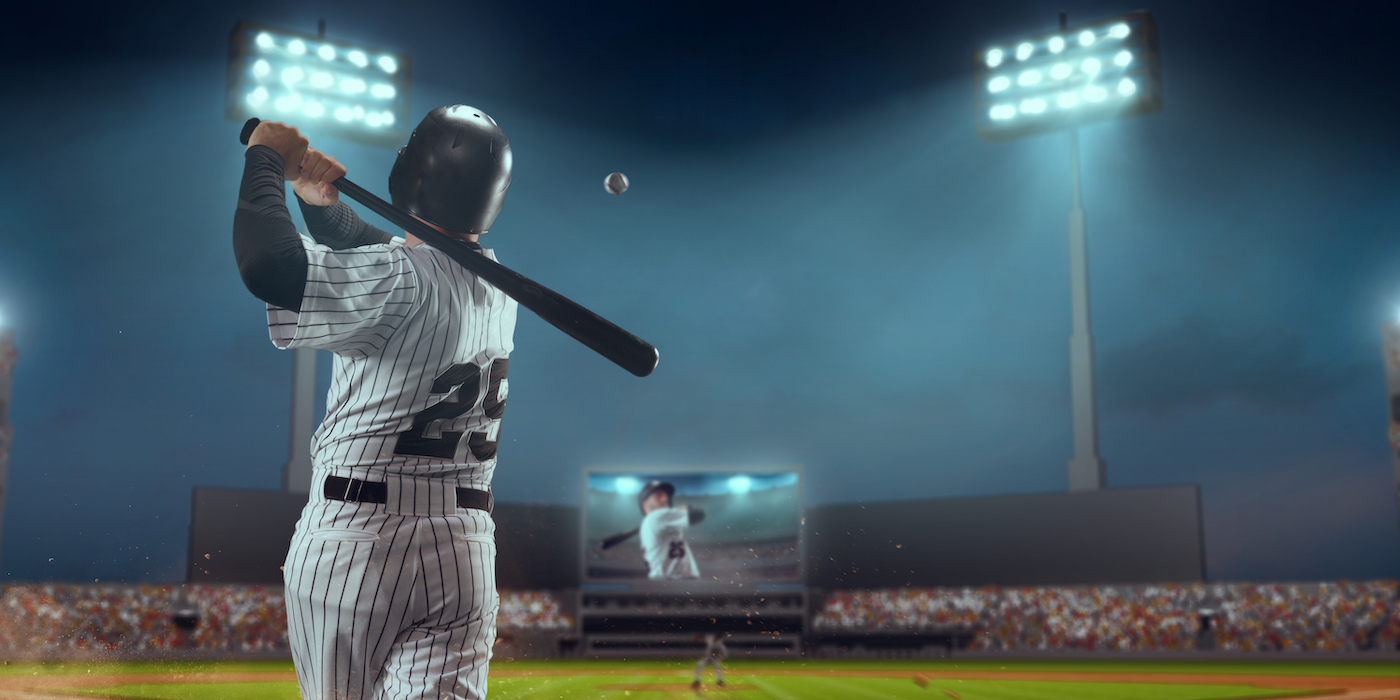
column 296, row 473
column 1390, row 343
column 1057, row 82
column 1086, row 469
column 8, row 356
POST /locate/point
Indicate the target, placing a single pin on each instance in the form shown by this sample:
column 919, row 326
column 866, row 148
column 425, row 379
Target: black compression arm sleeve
column 339, row 227
column 266, row 244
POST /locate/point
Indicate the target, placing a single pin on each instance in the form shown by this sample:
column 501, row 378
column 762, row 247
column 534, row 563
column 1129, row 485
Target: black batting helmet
column 454, row 171
column 653, row 487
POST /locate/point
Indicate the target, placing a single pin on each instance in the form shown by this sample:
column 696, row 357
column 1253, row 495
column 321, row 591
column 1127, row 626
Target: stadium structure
column 1119, row 570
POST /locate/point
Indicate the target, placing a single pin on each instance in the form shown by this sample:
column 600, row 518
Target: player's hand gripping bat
column 629, row 352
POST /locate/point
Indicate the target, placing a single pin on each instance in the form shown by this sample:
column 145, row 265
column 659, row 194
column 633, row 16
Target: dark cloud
column 1200, row 360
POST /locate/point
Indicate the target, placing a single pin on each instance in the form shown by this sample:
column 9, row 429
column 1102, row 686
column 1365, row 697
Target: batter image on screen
column 390, row 578
column 663, row 533
column 716, row 527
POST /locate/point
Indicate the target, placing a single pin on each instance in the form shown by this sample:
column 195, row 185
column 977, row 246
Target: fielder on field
column 390, row 579
column 715, row 651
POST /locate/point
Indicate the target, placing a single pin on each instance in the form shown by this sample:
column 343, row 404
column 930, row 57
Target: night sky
column 838, row 272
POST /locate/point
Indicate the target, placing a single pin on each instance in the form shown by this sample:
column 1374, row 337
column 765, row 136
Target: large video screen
column 703, row 529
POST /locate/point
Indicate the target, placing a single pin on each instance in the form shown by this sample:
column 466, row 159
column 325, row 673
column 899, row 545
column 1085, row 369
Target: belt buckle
column 358, row 486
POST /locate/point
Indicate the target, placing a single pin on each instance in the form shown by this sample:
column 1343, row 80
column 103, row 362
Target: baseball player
column 714, row 652
column 390, row 579
column 663, row 533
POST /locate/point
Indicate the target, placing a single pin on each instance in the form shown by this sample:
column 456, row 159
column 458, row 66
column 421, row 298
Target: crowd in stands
column 1341, row 616
column 532, row 610
column 54, row 618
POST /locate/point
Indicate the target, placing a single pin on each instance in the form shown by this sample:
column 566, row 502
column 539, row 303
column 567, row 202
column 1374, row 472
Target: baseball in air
column 615, row 183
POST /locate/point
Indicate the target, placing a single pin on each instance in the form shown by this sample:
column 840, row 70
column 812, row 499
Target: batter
column 663, row 533
column 390, row 579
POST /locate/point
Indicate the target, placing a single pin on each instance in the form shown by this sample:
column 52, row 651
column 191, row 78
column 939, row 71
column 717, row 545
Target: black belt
column 339, row 488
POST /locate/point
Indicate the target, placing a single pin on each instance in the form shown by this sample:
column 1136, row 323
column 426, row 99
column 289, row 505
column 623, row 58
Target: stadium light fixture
column 1078, row 72
column 321, row 85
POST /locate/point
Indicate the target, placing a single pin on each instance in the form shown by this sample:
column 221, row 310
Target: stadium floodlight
column 1090, row 60
column 323, row 86
column 1093, row 72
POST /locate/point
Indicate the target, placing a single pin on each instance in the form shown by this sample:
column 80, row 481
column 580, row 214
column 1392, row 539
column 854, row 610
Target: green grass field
column 569, row 679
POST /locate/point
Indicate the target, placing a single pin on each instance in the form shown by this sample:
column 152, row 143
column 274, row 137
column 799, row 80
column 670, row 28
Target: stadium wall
column 1116, row 536
column 1141, row 535
column 241, row 535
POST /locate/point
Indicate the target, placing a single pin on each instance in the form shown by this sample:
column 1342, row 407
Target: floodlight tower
column 1390, row 344
column 8, row 356
column 1058, row 81
column 327, row 88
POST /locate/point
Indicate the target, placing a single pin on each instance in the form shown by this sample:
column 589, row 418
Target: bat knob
column 248, row 128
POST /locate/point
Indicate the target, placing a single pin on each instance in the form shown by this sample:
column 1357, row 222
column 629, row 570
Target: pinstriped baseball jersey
column 421, row 351
column 398, row 599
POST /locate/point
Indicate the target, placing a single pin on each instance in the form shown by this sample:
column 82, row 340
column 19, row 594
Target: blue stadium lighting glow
column 323, row 86
column 1092, row 72
column 740, row 484
column 627, row 484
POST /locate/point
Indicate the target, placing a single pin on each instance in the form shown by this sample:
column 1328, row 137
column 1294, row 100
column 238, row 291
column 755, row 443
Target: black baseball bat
column 619, row 538
column 605, row 338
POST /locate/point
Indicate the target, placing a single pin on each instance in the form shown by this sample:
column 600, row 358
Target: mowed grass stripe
column 768, row 688
column 822, row 688
column 272, row 690
column 546, row 687
column 1278, row 665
